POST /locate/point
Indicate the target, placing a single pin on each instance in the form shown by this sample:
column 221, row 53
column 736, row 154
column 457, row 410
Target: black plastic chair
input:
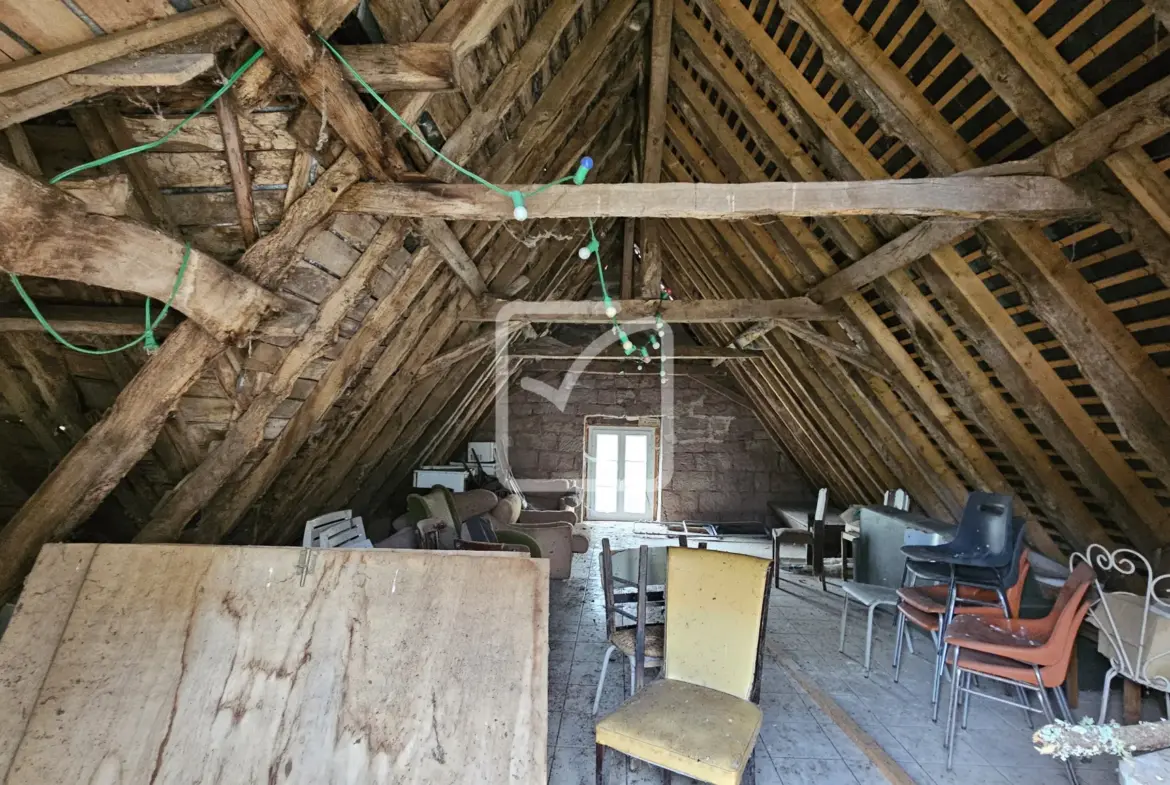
column 982, row 540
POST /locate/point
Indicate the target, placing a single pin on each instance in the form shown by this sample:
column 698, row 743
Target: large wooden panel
column 33, row 635
column 215, row 664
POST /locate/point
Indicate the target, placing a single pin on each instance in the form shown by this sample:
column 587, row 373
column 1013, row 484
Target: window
column 620, row 470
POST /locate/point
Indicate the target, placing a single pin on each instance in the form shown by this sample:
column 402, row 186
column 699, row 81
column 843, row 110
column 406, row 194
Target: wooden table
column 181, row 664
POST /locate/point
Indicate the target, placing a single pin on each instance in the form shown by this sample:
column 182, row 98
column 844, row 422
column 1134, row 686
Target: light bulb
column 584, row 252
column 629, row 347
column 610, row 311
column 661, row 331
column 520, row 212
column 664, row 380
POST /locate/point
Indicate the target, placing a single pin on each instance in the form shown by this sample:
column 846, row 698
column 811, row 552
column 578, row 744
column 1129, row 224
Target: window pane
column 604, row 499
column 606, row 474
column 636, row 447
column 606, row 447
column 635, row 498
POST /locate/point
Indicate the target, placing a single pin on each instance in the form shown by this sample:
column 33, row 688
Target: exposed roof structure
column 1005, row 328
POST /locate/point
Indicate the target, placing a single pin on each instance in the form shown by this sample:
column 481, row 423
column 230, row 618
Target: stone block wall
column 726, row 467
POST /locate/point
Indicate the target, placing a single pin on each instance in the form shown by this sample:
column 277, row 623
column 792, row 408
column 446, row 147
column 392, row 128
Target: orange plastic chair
column 1030, row 654
column 924, row 607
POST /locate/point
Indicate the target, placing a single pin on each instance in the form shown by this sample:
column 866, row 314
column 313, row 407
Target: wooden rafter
column 39, row 68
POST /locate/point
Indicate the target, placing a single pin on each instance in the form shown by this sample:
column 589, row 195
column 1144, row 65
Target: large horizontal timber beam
column 551, row 349
column 629, row 311
column 1022, row 198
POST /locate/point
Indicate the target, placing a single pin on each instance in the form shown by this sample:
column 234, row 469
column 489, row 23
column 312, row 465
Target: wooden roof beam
column 69, row 59
column 49, row 234
column 1074, row 99
column 1129, row 383
column 130, row 427
column 225, row 512
column 971, row 457
column 682, row 311
column 81, row 320
column 661, row 26
column 551, row 349
column 1023, row 198
column 923, row 399
column 894, row 255
column 780, row 383
column 946, row 149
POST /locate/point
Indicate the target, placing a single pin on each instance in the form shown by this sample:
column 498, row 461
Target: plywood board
column 215, row 664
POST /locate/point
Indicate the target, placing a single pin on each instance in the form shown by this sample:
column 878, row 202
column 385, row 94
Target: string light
column 588, row 250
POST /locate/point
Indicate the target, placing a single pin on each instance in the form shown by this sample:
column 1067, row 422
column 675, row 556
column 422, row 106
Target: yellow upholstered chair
column 701, row 718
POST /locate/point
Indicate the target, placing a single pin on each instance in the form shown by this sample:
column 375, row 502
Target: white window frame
column 621, row 431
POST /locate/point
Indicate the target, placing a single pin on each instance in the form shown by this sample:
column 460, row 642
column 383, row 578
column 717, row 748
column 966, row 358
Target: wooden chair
column 813, row 538
column 640, row 643
column 701, row 719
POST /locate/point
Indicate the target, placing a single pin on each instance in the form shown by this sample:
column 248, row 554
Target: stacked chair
column 971, row 607
column 1028, row 654
column 976, row 568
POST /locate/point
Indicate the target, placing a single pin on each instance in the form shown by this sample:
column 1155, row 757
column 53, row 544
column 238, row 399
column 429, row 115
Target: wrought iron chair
column 1134, row 630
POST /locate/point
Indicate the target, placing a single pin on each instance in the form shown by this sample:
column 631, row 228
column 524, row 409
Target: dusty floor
column 800, row 745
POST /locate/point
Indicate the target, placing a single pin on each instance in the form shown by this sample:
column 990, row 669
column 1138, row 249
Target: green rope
column 147, row 337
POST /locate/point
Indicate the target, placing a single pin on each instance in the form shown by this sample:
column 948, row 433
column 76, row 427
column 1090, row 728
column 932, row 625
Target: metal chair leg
column 1050, row 715
column 952, row 715
column 939, row 667
column 1062, row 701
column 902, row 634
column 1109, row 674
column 1023, row 694
column 844, row 617
column 600, row 765
column 869, row 638
column 966, row 697
column 601, row 679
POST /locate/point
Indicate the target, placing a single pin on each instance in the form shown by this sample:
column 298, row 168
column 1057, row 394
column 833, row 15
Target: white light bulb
column 610, row 311
column 520, row 213
column 661, row 332
column 584, row 252
column 629, row 347
column 664, row 379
